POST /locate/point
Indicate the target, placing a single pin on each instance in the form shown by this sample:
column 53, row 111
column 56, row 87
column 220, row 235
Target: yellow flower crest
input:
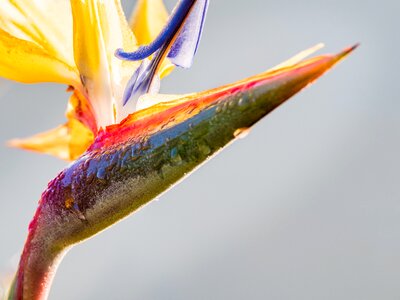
column 73, row 43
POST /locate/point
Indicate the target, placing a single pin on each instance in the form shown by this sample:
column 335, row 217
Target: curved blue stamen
column 178, row 41
column 174, row 24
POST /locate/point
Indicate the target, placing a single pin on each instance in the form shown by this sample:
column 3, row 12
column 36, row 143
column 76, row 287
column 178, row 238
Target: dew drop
column 73, row 206
column 32, row 224
column 241, row 133
column 252, row 97
column 69, row 202
column 78, row 212
column 90, row 178
column 160, row 172
column 204, row 149
column 176, row 159
column 242, row 102
column 80, row 215
column 110, row 167
column 125, row 158
column 101, row 173
column 225, row 106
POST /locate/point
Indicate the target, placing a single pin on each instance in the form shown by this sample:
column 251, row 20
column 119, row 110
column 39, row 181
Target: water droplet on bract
column 110, row 167
column 80, row 215
column 78, row 212
column 252, row 97
column 90, row 178
column 71, row 205
column 218, row 109
column 204, row 149
column 125, row 158
column 160, row 172
column 32, row 224
column 174, row 152
column 69, row 202
column 241, row 133
column 176, row 159
column 112, row 163
column 85, row 165
column 225, row 106
column 101, row 173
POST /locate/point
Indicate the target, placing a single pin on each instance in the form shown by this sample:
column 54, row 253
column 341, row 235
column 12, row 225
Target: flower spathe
column 133, row 162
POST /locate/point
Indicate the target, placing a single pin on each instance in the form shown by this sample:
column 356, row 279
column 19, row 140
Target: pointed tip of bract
column 314, row 67
column 331, row 60
column 296, row 76
column 347, row 51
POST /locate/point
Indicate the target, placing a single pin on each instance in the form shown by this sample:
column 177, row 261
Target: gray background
column 306, row 207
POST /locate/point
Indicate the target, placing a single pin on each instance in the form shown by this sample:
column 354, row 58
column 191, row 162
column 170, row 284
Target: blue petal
column 142, row 80
column 167, row 34
column 184, row 49
column 178, row 40
column 132, row 85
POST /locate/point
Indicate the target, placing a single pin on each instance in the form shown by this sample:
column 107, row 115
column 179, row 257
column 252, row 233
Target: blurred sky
column 306, row 207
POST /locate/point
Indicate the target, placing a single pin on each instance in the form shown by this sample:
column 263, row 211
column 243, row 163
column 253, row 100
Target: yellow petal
column 298, row 57
column 26, row 62
column 67, row 141
column 99, row 29
column 47, row 23
column 147, row 21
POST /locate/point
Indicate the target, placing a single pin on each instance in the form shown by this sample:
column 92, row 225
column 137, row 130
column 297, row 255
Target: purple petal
column 137, row 77
column 184, row 49
column 179, row 15
column 178, row 41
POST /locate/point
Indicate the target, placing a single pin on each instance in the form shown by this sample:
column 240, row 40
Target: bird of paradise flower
column 126, row 142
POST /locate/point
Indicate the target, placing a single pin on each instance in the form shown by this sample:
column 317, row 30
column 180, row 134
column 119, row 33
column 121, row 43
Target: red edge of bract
column 145, row 122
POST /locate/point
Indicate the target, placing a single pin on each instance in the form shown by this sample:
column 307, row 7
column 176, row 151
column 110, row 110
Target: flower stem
column 37, row 266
